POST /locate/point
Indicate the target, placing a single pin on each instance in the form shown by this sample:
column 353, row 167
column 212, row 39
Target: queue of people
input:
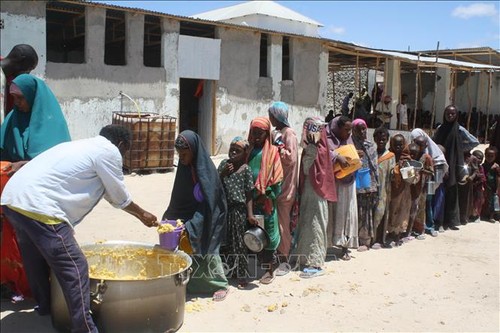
column 308, row 204
column 451, row 186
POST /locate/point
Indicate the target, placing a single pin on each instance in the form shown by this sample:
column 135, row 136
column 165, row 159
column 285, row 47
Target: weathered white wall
column 240, row 96
column 24, row 23
column 89, row 92
column 473, row 89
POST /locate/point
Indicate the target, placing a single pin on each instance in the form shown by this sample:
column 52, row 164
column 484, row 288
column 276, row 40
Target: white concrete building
column 214, row 73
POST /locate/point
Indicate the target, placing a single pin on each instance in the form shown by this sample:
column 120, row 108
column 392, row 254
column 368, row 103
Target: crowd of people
column 452, row 184
column 346, row 190
column 376, row 111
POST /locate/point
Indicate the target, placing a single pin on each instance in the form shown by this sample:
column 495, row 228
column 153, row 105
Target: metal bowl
column 256, row 239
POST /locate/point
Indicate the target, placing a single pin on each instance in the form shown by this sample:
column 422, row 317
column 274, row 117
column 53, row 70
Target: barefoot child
column 492, row 172
column 399, row 208
column 478, row 180
column 419, row 189
column 278, row 115
column 236, row 178
column 386, row 162
column 267, row 172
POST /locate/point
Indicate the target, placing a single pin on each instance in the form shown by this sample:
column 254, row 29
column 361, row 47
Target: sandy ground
column 444, row 284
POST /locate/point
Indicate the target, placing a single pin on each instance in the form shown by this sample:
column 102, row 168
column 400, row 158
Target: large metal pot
column 144, row 296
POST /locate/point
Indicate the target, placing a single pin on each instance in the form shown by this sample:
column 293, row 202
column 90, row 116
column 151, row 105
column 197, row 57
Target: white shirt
column 385, row 110
column 403, row 114
column 68, row 180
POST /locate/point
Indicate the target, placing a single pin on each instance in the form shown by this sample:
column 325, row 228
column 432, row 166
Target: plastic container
column 170, row 240
column 363, row 178
column 439, row 174
column 431, row 187
column 152, row 142
column 352, row 157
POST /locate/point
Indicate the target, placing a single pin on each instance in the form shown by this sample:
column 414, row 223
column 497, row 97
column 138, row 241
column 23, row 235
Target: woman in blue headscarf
column 35, row 124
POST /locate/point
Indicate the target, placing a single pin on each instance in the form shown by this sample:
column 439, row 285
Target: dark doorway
column 196, row 108
column 188, row 104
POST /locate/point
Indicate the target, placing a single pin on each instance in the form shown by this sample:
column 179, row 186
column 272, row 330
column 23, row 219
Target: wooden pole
column 356, row 86
column 374, row 96
column 469, row 102
column 435, row 88
column 420, row 95
column 416, row 93
column 481, row 95
column 488, row 109
column 333, row 91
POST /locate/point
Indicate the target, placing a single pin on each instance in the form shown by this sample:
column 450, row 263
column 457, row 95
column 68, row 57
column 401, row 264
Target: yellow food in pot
column 129, row 263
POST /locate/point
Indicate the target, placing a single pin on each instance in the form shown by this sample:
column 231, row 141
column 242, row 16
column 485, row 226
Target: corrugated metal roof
column 431, row 60
column 268, row 8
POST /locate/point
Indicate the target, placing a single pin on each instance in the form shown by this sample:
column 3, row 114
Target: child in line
column 419, row 189
column 386, row 162
column 237, row 180
column 465, row 190
column 317, row 188
column 399, row 207
column 478, row 180
column 267, row 172
column 367, row 194
column 490, row 211
column 287, row 147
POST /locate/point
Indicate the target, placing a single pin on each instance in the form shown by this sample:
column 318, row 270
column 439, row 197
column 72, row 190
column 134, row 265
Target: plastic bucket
column 170, row 240
column 363, row 179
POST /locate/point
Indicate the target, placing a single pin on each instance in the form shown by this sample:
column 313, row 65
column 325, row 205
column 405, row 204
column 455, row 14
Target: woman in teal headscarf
column 35, row 124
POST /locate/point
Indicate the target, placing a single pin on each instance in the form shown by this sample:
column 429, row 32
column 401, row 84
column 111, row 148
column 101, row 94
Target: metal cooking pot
column 153, row 303
column 256, row 239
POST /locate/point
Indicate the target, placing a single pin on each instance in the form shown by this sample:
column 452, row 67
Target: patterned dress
column 236, row 185
column 367, row 197
column 386, row 163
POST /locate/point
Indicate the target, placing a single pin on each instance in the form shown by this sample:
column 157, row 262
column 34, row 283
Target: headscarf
column 206, row 220
column 240, row 142
column 279, row 110
column 24, row 135
column 369, row 160
column 332, row 134
column 448, row 135
column 334, row 141
column 432, row 148
column 320, row 173
column 271, row 171
column 358, row 121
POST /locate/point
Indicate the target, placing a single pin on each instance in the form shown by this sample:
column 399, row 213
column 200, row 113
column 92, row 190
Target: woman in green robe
column 264, row 160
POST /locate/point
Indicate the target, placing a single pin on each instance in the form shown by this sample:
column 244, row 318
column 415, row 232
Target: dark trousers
column 464, row 200
column 54, row 247
column 451, row 209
